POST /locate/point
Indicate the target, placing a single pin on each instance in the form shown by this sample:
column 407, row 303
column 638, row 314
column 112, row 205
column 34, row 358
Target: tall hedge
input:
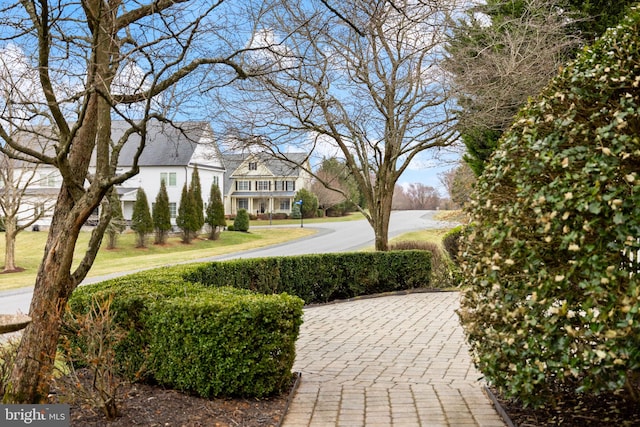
column 552, row 265
column 320, row 278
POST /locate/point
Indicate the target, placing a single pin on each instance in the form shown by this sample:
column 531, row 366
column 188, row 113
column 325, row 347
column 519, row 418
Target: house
column 263, row 184
column 171, row 153
column 257, row 182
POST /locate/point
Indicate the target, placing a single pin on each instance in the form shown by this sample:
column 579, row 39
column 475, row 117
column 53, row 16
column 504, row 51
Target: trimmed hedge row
column 213, row 342
column 201, row 329
column 321, row 278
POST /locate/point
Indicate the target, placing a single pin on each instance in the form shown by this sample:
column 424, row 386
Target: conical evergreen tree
column 215, row 213
column 196, row 192
column 141, row 221
column 162, row 215
column 186, row 218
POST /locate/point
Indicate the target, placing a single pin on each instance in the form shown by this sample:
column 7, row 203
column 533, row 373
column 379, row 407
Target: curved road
column 331, row 237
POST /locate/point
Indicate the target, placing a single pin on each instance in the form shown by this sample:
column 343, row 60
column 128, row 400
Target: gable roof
column 277, row 167
column 167, row 144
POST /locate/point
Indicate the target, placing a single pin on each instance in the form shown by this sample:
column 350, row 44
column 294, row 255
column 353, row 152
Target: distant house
column 171, row 153
column 261, row 183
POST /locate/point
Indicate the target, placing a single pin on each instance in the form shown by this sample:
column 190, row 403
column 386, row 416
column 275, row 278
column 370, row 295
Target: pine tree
column 196, row 192
column 186, row 218
column 117, row 223
column 241, row 223
column 141, row 221
column 161, row 215
column 215, row 213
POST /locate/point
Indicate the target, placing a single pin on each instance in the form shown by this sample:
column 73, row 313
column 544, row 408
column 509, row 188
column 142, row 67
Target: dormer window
column 253, row 166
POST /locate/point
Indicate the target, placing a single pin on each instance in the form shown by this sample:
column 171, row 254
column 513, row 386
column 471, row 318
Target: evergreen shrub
column 320, row 278
column 241, row 223
column 552, row 264
column 170, row 319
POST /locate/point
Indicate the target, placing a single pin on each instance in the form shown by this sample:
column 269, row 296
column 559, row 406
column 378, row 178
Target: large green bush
column 552, row 264
column 198, row 339
column 320, row 278
column 241, row 222
column 225, row 342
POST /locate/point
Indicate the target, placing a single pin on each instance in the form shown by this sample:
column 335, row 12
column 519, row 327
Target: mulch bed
column 608, row 410
column 153, row 406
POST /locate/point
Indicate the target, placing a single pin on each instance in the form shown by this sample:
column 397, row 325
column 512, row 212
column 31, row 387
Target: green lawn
column 30, row 247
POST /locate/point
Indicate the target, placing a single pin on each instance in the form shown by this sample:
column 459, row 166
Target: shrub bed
column 321, row 278
column 213, row 342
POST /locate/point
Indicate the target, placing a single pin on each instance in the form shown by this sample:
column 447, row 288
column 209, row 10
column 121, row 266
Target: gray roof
column 167, row 144
column 278, row 167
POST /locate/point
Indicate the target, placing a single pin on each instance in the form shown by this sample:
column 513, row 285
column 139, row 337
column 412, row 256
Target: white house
column 171, row 153
column 256, row 182
column 261, row 183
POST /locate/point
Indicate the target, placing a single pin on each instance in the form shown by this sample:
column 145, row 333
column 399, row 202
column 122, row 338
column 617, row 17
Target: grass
column 30, row 249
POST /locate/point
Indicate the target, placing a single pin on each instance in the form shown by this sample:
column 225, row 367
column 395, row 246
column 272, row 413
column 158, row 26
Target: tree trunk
column 33, row 367
column 10, row 245
column 380, row 220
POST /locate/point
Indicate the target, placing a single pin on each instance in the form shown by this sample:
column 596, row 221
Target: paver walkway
column 388, row 361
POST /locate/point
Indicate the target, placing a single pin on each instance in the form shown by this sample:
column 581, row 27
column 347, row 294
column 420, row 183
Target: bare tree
column 459, row 182
column 423, row 196
column 327, row 196
column 497, row 62
column 360, row 80
column 21, row 207
column 95, row 60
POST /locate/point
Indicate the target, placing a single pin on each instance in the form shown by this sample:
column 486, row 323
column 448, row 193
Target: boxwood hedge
column 213, row 342
column 201, row 328
column 321, row 278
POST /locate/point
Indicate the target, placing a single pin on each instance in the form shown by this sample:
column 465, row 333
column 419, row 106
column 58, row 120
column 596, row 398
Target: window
column 285, row 205
column 169, row 178
column 253, row 166
column 290, row 185
column 263, row 185
column 279, row 185
column 173, row 210
column 50, row 181
column 243, row 204
column 243, row 185
column 216, row 181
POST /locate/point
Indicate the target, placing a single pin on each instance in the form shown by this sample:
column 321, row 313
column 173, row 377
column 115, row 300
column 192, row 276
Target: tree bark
column 10, row 245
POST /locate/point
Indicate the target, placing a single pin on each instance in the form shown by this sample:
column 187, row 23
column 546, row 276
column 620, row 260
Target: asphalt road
column 331, row 237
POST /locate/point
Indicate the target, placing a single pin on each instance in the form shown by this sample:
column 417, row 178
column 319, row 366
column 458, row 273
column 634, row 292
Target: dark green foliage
column 162, row 214
column 213, row 342
column 322, row 277
column 215, row 213
column 451, row 242
column 196, row 192
column 552, row 265
column 241, row 223
column 141, row 221
column 309, row 203
column 225, row 342
column 187, row 215
column 295, row 211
